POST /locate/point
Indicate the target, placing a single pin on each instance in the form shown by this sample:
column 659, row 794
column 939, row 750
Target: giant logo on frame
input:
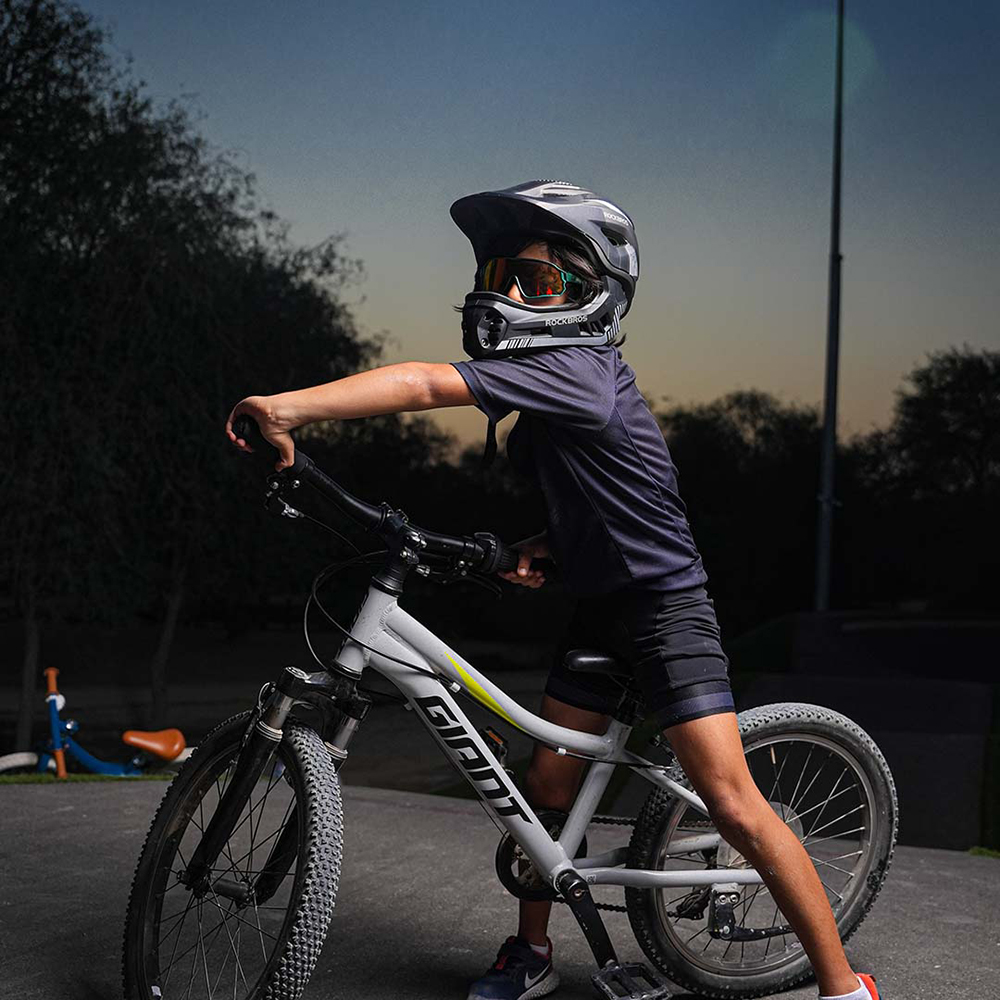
column 480, row 769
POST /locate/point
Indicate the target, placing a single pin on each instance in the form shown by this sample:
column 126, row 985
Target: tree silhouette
column 747, row 472
column 143, row 292
column 921, row 521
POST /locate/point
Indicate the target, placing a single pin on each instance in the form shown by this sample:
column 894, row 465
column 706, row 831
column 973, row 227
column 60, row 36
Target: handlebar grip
column 508, row 560
column 244, row 426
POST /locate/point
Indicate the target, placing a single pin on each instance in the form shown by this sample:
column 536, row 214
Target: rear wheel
column 831, row 785
column 22, row 763
column 257, row 928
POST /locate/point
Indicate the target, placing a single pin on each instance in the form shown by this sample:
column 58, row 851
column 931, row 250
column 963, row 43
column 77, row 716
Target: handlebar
column 483, row 553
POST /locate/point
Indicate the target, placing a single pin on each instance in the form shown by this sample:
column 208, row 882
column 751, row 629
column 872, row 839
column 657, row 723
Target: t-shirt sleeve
column 571, row 386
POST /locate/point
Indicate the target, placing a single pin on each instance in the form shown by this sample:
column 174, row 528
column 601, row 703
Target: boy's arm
column 411, row 385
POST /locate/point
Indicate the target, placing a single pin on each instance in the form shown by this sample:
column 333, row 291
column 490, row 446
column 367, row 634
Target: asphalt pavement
column 419, row 912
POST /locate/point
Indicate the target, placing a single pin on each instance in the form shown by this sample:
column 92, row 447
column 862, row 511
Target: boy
column 556, row 272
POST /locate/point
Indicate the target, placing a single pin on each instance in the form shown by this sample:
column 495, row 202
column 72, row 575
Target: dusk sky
column 710, row 122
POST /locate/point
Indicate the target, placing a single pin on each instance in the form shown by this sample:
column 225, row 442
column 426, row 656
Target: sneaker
column 519, row 973
column 869, row 982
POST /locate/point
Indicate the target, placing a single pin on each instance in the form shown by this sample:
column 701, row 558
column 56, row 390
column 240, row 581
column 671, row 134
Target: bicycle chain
column 615, row 820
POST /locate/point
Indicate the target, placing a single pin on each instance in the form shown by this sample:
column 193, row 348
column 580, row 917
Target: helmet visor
column 536, row 280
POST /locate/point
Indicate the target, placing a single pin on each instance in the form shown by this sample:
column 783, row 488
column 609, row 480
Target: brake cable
column 323, row 577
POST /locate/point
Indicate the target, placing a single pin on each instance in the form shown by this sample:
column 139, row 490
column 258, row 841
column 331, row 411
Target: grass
column 984, row 852
column 49, row 779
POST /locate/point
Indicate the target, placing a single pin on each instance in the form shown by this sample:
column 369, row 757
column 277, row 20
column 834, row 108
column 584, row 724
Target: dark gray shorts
column 671, row 641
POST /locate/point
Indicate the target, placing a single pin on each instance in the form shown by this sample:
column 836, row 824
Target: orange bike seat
column 165, row 743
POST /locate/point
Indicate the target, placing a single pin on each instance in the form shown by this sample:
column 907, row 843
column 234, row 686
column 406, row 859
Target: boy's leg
column 711, row 753
column 552, row 783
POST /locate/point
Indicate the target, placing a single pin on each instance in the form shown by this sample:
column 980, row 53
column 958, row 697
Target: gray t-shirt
column 587, row 438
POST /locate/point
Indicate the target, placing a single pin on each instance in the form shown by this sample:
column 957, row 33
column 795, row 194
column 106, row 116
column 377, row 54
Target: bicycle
column 161, row 748
column 245, row 848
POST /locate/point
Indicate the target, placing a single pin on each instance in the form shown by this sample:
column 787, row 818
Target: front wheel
column 829, row 782
column 256, row 928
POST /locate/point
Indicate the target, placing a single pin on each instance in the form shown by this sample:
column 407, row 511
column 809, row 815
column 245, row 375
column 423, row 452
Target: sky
column 710, row 123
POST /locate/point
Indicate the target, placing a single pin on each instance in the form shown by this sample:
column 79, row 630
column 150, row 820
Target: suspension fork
column 337, row 737
column 259, row 746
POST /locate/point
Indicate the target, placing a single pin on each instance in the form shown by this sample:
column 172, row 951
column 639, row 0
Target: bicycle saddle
column 165, row 743
column 592, row 661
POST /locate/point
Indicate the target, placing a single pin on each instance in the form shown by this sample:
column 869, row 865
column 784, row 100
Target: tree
column 747, row 473
column 944, row 439
column 928, row 488
column 143, row 292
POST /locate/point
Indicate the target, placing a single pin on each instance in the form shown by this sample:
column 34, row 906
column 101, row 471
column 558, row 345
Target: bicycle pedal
column 631, row 981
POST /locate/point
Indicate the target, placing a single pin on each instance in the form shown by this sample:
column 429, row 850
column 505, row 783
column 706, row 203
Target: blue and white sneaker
column 519, row 973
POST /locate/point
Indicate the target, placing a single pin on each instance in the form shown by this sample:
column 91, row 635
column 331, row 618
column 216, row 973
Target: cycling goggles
column 536, row 280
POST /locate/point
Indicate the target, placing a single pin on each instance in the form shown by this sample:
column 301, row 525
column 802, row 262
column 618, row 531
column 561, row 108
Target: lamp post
column 824, row 532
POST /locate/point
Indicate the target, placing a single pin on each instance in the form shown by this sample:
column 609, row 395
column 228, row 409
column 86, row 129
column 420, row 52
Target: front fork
column 327, row 692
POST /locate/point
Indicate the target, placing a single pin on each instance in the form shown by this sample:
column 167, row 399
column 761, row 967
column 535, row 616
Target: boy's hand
column 273, row 426
column 536, row 547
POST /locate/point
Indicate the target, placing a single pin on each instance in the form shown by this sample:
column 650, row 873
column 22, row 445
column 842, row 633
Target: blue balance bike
column 163, row 748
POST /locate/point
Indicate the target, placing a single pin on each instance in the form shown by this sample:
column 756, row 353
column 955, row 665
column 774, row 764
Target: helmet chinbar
column 493, row 324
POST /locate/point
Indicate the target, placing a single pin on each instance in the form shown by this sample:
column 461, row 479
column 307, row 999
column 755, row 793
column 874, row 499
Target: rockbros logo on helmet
column 563, row 320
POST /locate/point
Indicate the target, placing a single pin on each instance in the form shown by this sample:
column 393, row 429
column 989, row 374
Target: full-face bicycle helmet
column 560, row 212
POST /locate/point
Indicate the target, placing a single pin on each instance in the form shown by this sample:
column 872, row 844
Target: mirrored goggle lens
column 536, row 279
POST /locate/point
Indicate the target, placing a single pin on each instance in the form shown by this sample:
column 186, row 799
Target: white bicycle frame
column 387, row 628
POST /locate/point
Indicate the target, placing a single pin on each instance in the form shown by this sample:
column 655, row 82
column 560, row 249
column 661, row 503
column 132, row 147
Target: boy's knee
column 742, row 818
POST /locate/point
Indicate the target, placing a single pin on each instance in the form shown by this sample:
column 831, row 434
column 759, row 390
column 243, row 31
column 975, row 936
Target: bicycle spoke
column 794, row 805
column 834, row 891
column 767, row 947
column 175, row 917
column 260, row 808
column 696, row 933
column 239, row 942
column 843, row 871
column 234, row 865
column 753, row 899
column 249, row 815
column 204, row 961
column 827, row 799
column 275, row 776
column 187, row 909
column 837, row 820
column 194, row 960
column 232, row 944
column 823, row 804
column 243, row 920
column 777, row 778
column 222, row 969
column 802, row 774
column 214, row 931
column 270, row 836
column 257, row 915
column 832, row 836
